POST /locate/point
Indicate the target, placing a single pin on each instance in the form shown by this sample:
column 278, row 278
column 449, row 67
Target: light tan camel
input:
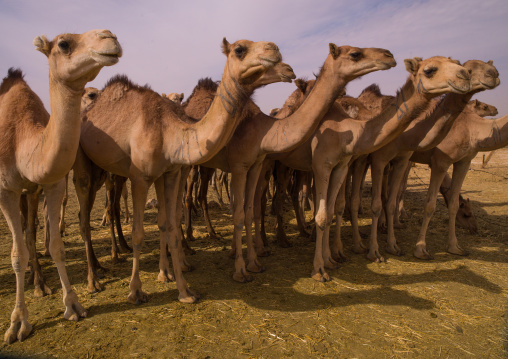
column 132, row 132
column 423, row 133
column 39, row 149
column 469, row 135
column 259, row 134
column 175, row 97
column 338, row 138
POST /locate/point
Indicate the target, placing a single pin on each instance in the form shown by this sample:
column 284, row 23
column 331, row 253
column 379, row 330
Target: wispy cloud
column 170, row 45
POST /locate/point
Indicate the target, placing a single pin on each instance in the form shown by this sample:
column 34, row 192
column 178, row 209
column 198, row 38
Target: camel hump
column 374, row 89
column 13, row 76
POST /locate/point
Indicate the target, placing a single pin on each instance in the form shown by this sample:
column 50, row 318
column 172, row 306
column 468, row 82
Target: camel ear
column 181, row 96
column 490, row 62
column 301, row 84
column 476, row 103
column 454, row 61
column 412, row 65
column 334, row 50
column 226, row 47
column 163, row 94
column 42, row 44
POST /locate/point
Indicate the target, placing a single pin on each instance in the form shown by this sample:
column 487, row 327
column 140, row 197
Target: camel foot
column 115, row 259
column 20, row 328
column 359, row 248
column 394, row 249
column 320, row 275
column 124, row 247
column 340, row 257
column 263, row 252
column 457, row 251
column 41, row 289
column 137, row 297
column 331, row 264
column 187, row 267
column 73, row 309
column 94, row 286
column 188, row 296
column 375, row 257
column 242, row 276
column 255, row 267
column 165, row 276
column 232, row 253
column 421, row 253
column 304, row 233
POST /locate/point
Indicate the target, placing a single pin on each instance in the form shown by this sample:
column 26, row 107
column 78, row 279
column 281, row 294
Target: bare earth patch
column 449, row 307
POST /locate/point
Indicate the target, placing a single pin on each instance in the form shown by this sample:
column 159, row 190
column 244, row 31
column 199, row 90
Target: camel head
column 175, row 97
column 484, row 75
column 438, row 75
column 75, row 59
column 90, row 95
column 254, row 64
column 465, row 217
column 353, row 62
column 482, row 109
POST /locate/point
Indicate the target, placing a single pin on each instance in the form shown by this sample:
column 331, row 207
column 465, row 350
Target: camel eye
column 239, row 51
column 430, row 71
column 356, row 55
column 64, row 45
column 92, row 96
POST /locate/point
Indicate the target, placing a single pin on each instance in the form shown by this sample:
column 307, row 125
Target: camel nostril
column 106, row 34
column 462, row 74
column 271, row 46
column 388, row 54
column 492, row 73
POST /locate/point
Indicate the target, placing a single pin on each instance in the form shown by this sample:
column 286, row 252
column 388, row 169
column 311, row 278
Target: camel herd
column 324, row 137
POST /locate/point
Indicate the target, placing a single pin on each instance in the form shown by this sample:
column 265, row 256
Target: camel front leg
column 396, row 178
column 205, row 175
column 337, row 247
column 20, row 328
column 459, row 174
column 358, row 169
column 283, row 178
column 250, row 190
column 54, row 195
column 377, row 169
column 61, row 225
column 436, row 178
column 238, row 181
column 164, row 270
column 173, row 194
column 260, row 240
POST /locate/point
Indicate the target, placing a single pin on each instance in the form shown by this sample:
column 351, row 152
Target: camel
column 133, row 132
column 338, row 138
column 259, row 134
column 423, row 133
column 469, row 135
column 175, row 97
column 39, row 149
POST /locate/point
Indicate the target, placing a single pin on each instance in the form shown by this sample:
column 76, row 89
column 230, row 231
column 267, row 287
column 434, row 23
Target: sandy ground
column 451, row 307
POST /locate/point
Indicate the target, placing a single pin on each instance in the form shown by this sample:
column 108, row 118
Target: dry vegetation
column 449, row 307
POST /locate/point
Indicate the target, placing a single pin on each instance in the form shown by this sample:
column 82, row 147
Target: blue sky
column 170, row 45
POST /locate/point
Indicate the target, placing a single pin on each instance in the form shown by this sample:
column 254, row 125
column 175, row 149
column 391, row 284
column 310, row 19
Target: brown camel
column 338, row 138
column 39, row 149
column 259, row 134
column 132, row 132
column 469, row 135
column 423, row 133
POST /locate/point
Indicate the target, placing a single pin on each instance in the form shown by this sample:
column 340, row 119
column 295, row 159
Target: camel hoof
column 188, row 297
column 19, row 330
column 117, row 259
column 255, row 267
column 331, row 264
column 375, row 257
column 395, row 250
column 242, row 277
column 340, row 257
column 321, row 276
column 263, row 252
column 423, row 254
column 165, row 277
column 360, row 249
column 42, row 290
column 457, row 251
column 137, row 297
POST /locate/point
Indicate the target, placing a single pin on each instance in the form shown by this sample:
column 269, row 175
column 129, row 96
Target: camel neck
column 288, row 133
column 490, row 134
column 199, row 142
column 55, row 150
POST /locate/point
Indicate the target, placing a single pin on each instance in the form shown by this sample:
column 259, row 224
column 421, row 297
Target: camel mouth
column 459, row 89
column 287, row 78
column 106, row 58
column 492, row 84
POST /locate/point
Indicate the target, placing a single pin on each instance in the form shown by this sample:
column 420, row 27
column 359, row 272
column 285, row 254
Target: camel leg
column 46, row 226
column 120, row 183
column 322, row 180
column 19, row 328
column 164, row 270
column 377, row 169
column 125, row 196
column 283, row 178
column 250, row 189
column 337, row 247
column 400, row 212
column 215, row 186
column 437, row 174
column 110, row 202
column 335, row 186
column 459, row 174
column 238, row 182
column 298, row 196
column 61, row 225
column 358, row 169
column 36, row 277
column 206, row 174
column 396, row 177
column 191, row 181
column 260, row 240
column 183, row 244
column 54, row 195
column 173, row 193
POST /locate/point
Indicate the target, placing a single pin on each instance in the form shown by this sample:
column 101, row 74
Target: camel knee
column 377, row 208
